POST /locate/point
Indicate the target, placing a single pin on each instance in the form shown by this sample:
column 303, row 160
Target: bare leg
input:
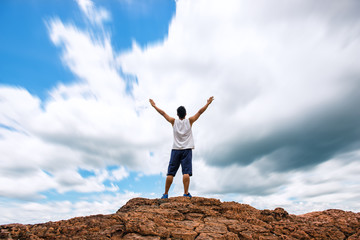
column 169, row 180
column 186, row 182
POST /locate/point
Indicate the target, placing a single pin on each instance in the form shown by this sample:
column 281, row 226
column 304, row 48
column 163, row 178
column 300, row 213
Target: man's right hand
column 210, row 100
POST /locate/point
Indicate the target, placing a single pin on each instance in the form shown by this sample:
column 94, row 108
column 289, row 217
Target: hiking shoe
column 164, row 196
column 188, row 195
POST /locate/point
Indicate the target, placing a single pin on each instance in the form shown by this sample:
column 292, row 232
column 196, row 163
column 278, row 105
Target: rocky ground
column 196, row 218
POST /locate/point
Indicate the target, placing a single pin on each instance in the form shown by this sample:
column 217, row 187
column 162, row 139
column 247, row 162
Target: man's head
column 181, row 112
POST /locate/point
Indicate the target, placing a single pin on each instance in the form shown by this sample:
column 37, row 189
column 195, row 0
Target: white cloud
column 38, row 166
column 120, row 173
column 95, row 15
column 332, row 184
column 25, row 186
column 98, row 108
column 33, row 212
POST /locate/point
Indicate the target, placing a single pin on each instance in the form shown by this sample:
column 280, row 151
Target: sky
column 79, row 137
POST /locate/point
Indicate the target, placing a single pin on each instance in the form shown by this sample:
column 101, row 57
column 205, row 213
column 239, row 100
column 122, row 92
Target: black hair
column 181, row 112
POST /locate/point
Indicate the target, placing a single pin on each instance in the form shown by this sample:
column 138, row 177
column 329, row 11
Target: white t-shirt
column 183, row 138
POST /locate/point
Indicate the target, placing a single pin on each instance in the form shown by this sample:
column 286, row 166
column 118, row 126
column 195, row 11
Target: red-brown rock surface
column 196, row 218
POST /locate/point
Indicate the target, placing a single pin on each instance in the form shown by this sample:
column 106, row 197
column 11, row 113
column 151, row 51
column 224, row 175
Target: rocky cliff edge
column 195, row 218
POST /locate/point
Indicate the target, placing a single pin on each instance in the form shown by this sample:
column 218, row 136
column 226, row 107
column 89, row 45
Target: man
column 181, row 153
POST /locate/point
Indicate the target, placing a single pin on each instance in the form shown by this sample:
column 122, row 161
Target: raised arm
column 167, row 117
column 201, row 111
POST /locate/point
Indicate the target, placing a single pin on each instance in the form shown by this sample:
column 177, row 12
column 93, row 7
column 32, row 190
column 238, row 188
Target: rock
column 195, row 218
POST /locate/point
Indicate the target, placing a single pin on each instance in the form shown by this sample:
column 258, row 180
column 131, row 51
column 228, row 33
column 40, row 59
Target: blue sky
column 78, row 136
column 29, row 59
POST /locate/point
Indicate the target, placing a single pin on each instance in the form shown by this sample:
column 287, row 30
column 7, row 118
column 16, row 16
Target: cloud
column 107, row 123
column 95, row 15
column 247, row 180
column 120, row 173
column 276, row 82
column 38, row 166
column 331, row 184
column 306, row 141
column 33, row 212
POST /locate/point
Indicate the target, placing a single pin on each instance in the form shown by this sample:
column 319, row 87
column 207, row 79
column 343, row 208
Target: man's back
column 183, row 138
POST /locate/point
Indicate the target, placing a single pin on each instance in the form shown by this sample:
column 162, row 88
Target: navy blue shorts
column 183, row 157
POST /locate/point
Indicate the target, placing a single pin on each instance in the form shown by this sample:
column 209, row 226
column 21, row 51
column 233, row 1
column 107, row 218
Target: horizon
column 79, row 137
